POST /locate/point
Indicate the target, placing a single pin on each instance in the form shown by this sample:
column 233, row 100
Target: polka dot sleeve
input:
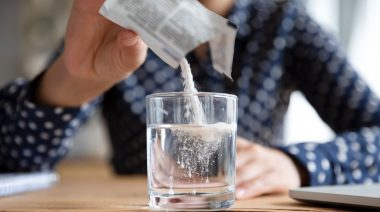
column 33, row 137
column 344, row 101
column 353, row 157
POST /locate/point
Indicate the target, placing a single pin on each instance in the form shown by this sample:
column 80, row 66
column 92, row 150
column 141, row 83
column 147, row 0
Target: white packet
column 173, row 28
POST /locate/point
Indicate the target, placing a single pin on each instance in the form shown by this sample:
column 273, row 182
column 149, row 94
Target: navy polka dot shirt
column 279, row 49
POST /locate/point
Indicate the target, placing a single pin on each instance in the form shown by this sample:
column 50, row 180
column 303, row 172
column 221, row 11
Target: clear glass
column 191, row 166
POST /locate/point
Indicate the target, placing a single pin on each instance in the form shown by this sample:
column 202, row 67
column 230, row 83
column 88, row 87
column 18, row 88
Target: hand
column 96, row 48
column 97, row 55
column 261, row 170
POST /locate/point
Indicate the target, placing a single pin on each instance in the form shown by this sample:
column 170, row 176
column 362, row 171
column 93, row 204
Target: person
column 279, row 49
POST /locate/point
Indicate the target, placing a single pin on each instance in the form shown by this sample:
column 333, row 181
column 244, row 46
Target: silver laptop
column 347, row 195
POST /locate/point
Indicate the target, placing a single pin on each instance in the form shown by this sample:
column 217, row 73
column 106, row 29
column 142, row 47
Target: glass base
column 191, row 202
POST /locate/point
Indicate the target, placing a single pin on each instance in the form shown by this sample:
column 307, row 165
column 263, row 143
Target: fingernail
column 129, row 38
column 128, row 34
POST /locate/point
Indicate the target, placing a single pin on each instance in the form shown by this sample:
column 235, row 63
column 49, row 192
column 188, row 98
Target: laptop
column 367, row 196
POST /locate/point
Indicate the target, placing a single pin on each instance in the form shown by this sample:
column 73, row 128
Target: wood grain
column 91, row 186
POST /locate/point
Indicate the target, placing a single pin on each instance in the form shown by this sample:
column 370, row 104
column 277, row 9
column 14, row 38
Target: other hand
column 261, row 170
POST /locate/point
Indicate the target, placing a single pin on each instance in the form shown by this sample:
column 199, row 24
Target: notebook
column 15, row 183
column 367, row 196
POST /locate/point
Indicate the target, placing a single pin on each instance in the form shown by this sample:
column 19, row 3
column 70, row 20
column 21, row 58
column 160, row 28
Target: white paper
column 173, row 28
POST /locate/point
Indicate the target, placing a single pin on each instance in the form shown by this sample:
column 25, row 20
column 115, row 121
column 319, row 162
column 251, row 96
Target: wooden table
column 91, row 186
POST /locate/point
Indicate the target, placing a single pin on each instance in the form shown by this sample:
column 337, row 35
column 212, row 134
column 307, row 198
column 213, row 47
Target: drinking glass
column 191, row 147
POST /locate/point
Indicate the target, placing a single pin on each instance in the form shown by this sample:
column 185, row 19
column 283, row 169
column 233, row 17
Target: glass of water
column 191, row 150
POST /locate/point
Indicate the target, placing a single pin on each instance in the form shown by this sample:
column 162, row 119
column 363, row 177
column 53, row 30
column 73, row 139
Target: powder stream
column 193, row 107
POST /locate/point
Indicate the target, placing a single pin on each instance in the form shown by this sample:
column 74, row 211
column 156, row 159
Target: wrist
column 59, row 87
column 301, row 171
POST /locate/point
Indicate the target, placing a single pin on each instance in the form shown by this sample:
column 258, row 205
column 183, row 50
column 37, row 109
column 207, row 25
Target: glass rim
column 184, row 94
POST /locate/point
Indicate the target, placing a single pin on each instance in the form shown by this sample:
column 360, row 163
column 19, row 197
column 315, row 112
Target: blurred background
column 31, row 30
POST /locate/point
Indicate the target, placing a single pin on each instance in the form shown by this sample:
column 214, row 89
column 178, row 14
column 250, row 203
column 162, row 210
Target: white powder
column 188, row 81
column 199, row 140
column 198, row 144
column 193, row 107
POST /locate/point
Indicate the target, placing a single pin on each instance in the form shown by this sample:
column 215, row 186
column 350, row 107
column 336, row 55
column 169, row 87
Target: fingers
column 242, row 144
column 247, row 153
column 248, row 162
column 255, row 170
column 270, row 172
column 249, row 172
column 265, row 184
column 251, row 189
column 244, row 158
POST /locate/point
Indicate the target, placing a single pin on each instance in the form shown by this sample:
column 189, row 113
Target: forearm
column 34, row 137
column 58, row 87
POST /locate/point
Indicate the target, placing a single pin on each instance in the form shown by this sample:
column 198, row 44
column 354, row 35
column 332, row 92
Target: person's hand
column 261, row 170
column 96, row 48
column 97, row 54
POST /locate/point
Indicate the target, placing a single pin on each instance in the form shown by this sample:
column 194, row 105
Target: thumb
column 132, row 50
column 120, row 57
column 128, row 38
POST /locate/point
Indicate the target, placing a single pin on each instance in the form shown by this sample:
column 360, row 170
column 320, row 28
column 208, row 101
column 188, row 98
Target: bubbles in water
column 197, row 145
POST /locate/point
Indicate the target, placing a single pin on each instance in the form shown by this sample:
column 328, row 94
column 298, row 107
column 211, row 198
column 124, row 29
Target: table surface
column 91, row 186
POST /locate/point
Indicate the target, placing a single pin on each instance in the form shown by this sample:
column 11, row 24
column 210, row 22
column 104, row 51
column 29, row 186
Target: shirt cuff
column 313, row 159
